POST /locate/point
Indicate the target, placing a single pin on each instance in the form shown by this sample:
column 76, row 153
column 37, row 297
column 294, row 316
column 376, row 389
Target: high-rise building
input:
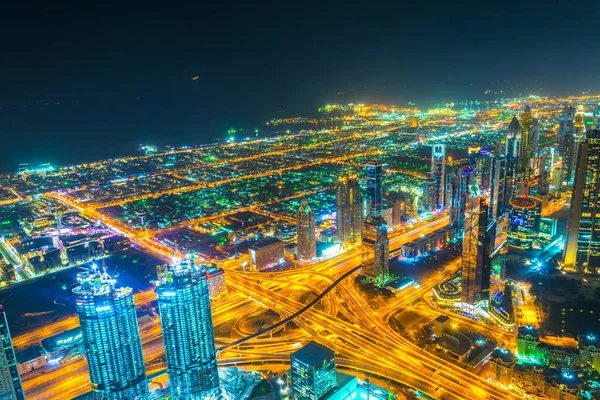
column 526, row 143
column 472, row 264
column 524, row 222
column 513, row 139
column 375, row 188
column 313, row 372
column 111, row 337
column 543, row 186
column 305, row 231
column 10, row 380
column 375, row 232
column 349, row 213
column 582, row 248
column 498, row 187
column 579, row 125
column 188, row 333
column 565, row 128
column 487, row 245
column 597, row 115
column 438, row 174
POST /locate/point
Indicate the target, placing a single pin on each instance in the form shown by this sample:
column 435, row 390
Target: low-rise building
column 528, row 340
column 550, row 383
column 57, row 346
column 454, row 344
column 589, row 347
column 30, row 359
column 502, row 364
column 216, row 281
column 266, row 253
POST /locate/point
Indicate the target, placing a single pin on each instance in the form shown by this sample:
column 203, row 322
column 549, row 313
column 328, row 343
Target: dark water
column 53, row 292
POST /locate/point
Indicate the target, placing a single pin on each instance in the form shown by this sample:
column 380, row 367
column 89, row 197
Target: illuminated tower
column 10, row 381
column 526, row 143
column 524, row 222
column 111, row 337
column 305, row 232
column 565, row 127
column 438, row 174
column 375, row 231
column 579, row 125
column 499, row 185
column 349, row 219
column 543, row 186
column 375, row 188
column 313, row 372
column 471, row 266
column 513, row 137
column 597, row 115
column 582, row 247
column 188, row 333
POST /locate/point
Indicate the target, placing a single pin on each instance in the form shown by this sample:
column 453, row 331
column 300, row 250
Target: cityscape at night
column 256, row 201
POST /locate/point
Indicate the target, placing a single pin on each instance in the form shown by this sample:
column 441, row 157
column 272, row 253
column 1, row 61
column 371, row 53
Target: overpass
column 294, row 315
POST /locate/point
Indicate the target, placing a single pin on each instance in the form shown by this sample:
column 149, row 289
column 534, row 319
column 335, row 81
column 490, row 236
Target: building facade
column 305, row 231
column 10, row 381
column 375, row 188
column 188, row 333
column 582, row 247
column 313, row 372
column 438, row 174
column 111, row 337
column 349, row 213
column 266, row 253
column 526, row 142
column 524, row 222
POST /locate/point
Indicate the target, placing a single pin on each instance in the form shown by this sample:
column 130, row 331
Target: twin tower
column 112, row 340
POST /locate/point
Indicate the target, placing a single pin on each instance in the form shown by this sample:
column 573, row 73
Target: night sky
column 81, row 82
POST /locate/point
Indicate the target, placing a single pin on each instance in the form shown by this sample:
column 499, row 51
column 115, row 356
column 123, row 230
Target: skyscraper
column 524, row 222
column 305, row 232
column 438, row 174
column 565, row 128
column 10, row 381
column 543, row 186
column 499, row 187
column 375, row 188
column 349, row 213
column 582, row 248
column 487, row 245
column 111, row 337
column 472, row 280
column 186, row 320
column 313, row 372
column 513, row 138
column 375, row 232
column 526, row 143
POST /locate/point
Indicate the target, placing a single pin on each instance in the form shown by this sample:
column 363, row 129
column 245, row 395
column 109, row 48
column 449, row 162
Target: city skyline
column 411, row 246
column 189, row 74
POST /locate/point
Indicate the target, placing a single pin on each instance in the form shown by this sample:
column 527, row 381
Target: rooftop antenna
column 104, row 273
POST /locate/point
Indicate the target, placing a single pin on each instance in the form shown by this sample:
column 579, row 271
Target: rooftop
column 268, row 241
column 30, row 353
column 314, row 354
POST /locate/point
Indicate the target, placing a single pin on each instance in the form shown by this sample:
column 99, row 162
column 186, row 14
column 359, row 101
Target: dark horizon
column 80, row 83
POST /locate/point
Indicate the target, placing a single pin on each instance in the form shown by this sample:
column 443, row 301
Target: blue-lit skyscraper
column 186, row 319
column 438, row 174
column 313, row 372
column 375, row 188
column 582, row 247
column 111, row 338
column 375, row 233
column 10, row 381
